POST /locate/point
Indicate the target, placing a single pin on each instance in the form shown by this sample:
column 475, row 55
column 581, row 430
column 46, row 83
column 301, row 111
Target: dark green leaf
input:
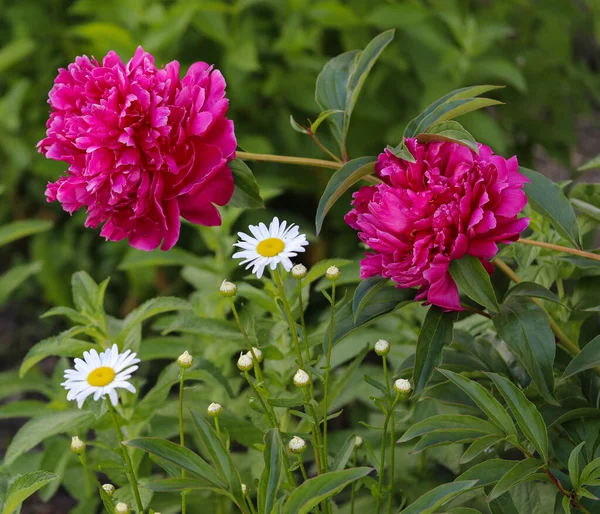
column 270, row 478
column 344, row 454
column 169, row 485
column 521, row 471
column 473, row 280
column 448, row 132
column 478, row 447
column 15, row 276
column 246, row 194
column 488, row 472
column 450, row 422
column 531, row 289
column 365, row 291
column 438, row 496
column 445, row 437
column 574, row 465
column 588, row 358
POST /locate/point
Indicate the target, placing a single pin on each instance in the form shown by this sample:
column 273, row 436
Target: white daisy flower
column 100, row 375
column 270, row 246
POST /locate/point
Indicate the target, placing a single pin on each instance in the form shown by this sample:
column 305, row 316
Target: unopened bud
column 358, row 441
column 301, row 378
column 255, row 353
column 333, row 273
column 227, row 288
column 77, row 445
column 382, row 347
column 109, row 489
column 214, row 409
column 299, row 271
column 297, row 445
column 122, row 508
column 185, row 360
column 402, row 386
column 245, row 363
column 244, row 489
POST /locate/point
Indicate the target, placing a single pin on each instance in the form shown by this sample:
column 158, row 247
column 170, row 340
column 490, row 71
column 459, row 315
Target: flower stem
column 388, row 417
column 353, row 491
column 558, row 248
column 218, row 429
column 315, row 430
column 391, row 403
column 127, row 459
column 250, row 505
column 302, row 470
column 302, row 161
column 288, row 312
column 181, row 435
column 88, row 475
column 326, row 385
column 257, row 371
column 324, row 148
column 302, row 322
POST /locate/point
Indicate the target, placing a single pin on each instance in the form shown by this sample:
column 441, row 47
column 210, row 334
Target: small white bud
column 402, row 386
column 185, row 360
column 77, row 445
column 244, row 489
column 358, row 441
column 122, row 508
column 109, row 489
column 214, row 409
column 333, row 273
column 297, row 445
column 299, row 271
column 227, row 288
column 245, row 363
column 301, row 378
column 257, row 353
column 382, row 347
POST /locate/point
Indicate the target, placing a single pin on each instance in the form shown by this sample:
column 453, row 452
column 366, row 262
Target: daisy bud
column 301, row 378
column 244, row 489
column 297, row 445
column 214, row 409
column 185, row 360
column 382, row 347
column 77, row 445
column 244, row 363
column 227, row 288
column 358, row 441
column 333, row 273
column 122, row 508
column 257, row 353
column 402, row 386
column 299, row 271
column 109, row 489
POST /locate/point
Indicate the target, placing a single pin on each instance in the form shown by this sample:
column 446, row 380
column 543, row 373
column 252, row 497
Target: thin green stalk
column 315, row 430
column 181, row 435
column 353, row 492
column 302, row 470
column 257, row 371
column 218, row 428
column 326, row 385
column 127, row 458
column 288, row 312
column 303, row 324
column 388, row 416
column 250, row 504
column 88, row 475
column 391, row 404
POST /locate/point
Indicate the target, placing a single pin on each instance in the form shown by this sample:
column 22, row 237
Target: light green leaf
column 321, row 118
column 270, row 478
column 574, row 465
column 216, row 329
column 588, row 358
column 296, row 126
column 365, row 291
column 591, row 164
column 19, row 229
column 432, row 500
column 448, row 132
column 24, row 486
column 14, row 277
column 473, row 280
column 54, row 346
column 521, row 471
column 246, row 194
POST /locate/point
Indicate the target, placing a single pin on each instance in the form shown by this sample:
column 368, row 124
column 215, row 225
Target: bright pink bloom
column 449, row 203
column 143, row 146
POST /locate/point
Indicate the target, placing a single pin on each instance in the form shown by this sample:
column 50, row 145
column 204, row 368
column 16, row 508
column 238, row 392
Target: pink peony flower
column 143, row 146
column 449, row 203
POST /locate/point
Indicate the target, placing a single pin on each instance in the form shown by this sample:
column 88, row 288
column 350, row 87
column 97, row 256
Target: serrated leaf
column 448, row 132
column 438, row 496
column 521, row 471
column 587, row 358
column 473, row 280
column 246, row 194
column 271, row 476
column 24, row 486
column 18, row 229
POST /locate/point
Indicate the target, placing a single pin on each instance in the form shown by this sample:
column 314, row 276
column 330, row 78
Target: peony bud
column 122, row 508
column 257, row 353
column 333, row 273
column 358, row 441
column 299, row 271
column 214, row 409
column 227, row 288
column 244, row 363
column 77, row 445
column 297, row 445
column 402, row 386
column 185, row 360
column 244, row 489
column 301, row 378
column 109, row 489
column 382, row 347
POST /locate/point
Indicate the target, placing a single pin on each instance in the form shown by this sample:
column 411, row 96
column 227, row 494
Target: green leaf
column 365, row 291
column 40, row 428
column 109, row 506
column 343, row 455
column 170, row 485
column 211, row 328
column 574, row 465
column 532, row 290
column 342, row 180
column 591, row 164
column 445, row 437
column 19, row 229
column 478, row 446
column 180, row 456
column 546, row 198
column 54, row 346
column 135, row 259
column 24, row 486
column 22, row 409
column 314, row 490
column 87, row 295
column 473, row 280
column 589, row 471
column 341, row 80
column 297, row 127
column 270, row 478
column 588, row 358
column 14, row 277
column 484, row 400
column 450, row 132
column 450, row 422
column 521, row 471
column 488, row 472
column 436, row 332
column 246, row 194
column 321, row 118
column 528, row 418
column 524, row 327
column 438, row 496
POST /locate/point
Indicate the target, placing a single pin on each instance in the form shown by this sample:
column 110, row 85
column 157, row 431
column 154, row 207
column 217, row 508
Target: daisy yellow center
column 270, row 247
column 101, row 376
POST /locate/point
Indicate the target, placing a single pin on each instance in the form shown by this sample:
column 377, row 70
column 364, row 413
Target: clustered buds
column 122, row 508
column 301, row 378
column 402, row 386
column 228, row 289
column 297, row 445
column 185, row 360
column 244, row 363
column 358, row 441
column 109, row 489
column 77, row 445
column 382, row 347
column 299, row 271
column 333, row 273
column 257, row 353
column 214, row 409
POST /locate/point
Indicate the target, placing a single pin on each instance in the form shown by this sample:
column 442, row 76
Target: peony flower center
column 101, row 376
column 270, row 247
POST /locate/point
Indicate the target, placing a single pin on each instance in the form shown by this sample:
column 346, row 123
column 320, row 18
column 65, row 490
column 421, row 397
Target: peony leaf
column 478, row 447
column 488, row 472
column 246, row 194
column 342, row 180
column 473, row 280
column 314, row 126
column 532, row 290
column 365, row 291
column 588, row 358
column 432, row 500
column 296, row 126
column 450, row 132
column 446, row 422
column 546, row 198
column 520, row 472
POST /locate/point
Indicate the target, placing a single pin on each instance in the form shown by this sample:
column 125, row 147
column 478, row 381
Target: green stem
column 250, row 504
column 182, row 436
column 315, row 430
column 257, row 371
column 302, row 470
column 288, row 312
column 391, row 404
column 303, row 324
column 303, row 161
column 127, row 458
column 353, row 492
column 88, row 475
column 326, row 385
column 324, row 148
column 388, row 416
column 218, row 429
